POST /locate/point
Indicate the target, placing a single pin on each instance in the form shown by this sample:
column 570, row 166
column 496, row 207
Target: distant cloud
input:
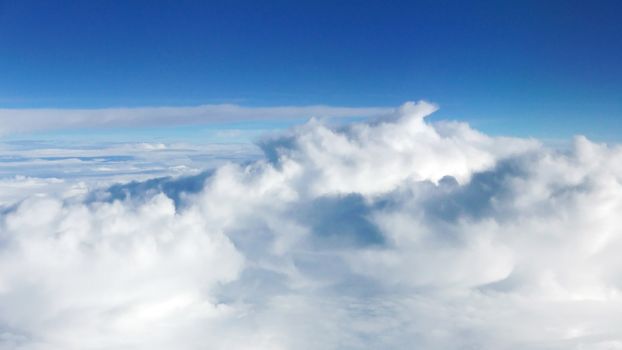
column 392, row 234
column 26, row 168
column 28, row 120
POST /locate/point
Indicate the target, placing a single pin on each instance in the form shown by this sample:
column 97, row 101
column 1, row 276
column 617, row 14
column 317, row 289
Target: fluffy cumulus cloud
column 397, row 233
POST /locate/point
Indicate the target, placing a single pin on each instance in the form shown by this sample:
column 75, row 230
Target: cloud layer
column 42, row 119
column 392, row 234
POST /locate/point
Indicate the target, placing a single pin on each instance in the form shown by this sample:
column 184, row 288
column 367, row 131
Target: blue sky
column 548, row 69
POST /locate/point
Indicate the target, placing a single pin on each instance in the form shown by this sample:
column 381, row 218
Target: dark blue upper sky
column 542, row 68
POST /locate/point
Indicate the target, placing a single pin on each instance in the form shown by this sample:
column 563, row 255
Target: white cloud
column 386, row 235
column 27, row 168
column 41, row 119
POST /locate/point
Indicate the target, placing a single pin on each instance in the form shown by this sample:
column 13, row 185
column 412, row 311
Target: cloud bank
column 43, row 119
column 66, row 169
column 393, row 234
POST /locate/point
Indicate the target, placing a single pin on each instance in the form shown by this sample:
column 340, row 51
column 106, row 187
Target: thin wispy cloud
column 43, row 119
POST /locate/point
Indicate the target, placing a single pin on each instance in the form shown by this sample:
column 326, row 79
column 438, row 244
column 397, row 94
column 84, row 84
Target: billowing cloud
column 392, row 234
column 42, row 119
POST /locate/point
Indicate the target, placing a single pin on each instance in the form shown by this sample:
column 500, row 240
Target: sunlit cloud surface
column 396, row 233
